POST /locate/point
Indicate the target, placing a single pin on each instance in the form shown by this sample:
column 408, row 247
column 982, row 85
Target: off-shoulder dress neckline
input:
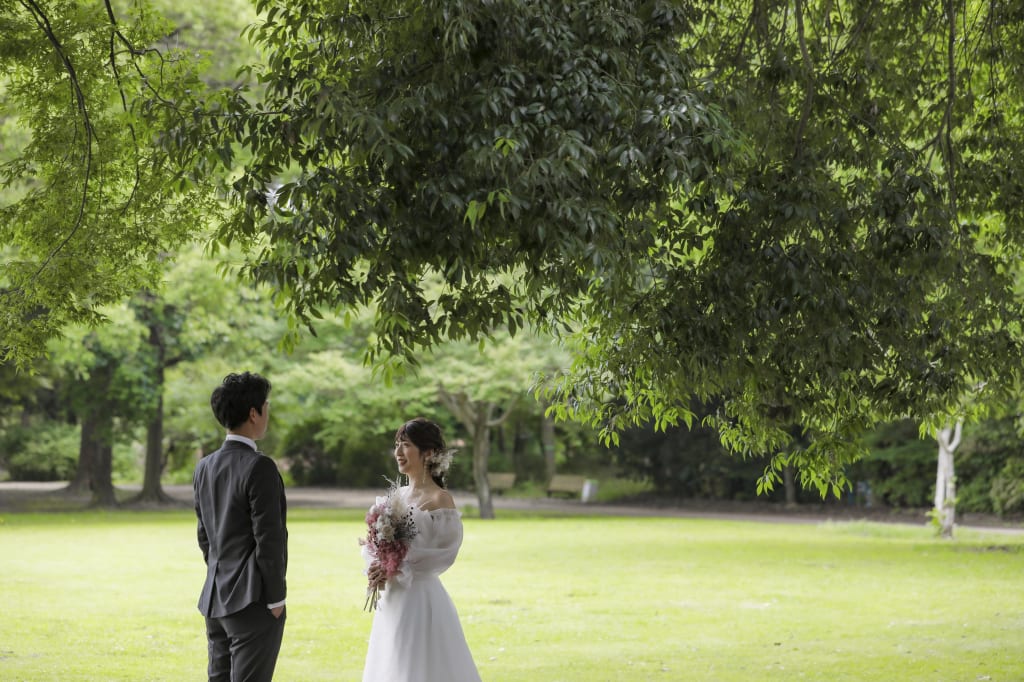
column 407, row 491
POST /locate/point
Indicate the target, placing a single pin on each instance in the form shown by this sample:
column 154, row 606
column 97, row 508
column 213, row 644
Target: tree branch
column 114, row 34
column 808, row 71
column 951, row 85
column 43, row 21
column 458, row 403
column 493, row 422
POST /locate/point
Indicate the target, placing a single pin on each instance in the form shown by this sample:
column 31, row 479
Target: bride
column 416, row 634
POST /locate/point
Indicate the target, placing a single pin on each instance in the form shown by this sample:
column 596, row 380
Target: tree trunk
column 481, row 454
column 102, row 483
column 152, row 491
column 789, row 484
column 520, row 440
column 95, row 460
column 547, row 446
column 95, row 451
column 87, row 456
column 945, row 479
column 477, row 416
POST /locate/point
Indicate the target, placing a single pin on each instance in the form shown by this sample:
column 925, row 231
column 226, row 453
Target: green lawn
column 111, row 596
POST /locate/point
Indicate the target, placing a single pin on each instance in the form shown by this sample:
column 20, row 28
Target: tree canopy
column 807, row 214
column 506, row 149
column 861, row 265
column 89, row 211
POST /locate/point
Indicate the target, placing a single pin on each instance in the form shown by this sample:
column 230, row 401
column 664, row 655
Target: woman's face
column 408, row 457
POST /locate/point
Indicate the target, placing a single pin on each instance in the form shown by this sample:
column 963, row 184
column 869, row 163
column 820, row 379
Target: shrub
column 900, row 468
column 314, row 460
column 984, row 468
column 45, row 452
column 1007, row 491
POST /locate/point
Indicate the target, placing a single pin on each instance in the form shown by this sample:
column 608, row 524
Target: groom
column 240, row 503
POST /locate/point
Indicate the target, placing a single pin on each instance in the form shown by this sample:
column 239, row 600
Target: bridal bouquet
column 390, row 529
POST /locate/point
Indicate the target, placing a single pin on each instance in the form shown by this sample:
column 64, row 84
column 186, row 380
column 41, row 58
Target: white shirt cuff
column 275, row 604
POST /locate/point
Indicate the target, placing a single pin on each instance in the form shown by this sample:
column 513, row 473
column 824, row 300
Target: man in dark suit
column 240, row 503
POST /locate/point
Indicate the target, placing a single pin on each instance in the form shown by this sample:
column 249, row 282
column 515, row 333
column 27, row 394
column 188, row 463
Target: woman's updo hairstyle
column 426, row 435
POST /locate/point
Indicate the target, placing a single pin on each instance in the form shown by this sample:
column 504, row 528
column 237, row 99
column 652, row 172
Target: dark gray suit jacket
column 240, row 504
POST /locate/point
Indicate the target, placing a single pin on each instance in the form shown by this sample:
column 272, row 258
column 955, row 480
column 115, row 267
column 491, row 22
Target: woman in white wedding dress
column 416, row 634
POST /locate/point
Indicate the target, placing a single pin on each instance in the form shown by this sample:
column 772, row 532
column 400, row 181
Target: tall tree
column 775, row 207
column 156, row 318
column 106, row 378
column 479, row 417
column 944, row 511
column 481, row 384
column 90, row 206
column 196, row 309
column 846, row 276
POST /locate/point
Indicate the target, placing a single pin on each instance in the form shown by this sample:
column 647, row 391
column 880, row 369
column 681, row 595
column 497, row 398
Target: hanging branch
column 115, row 34
column 43, row 22
column 809, row 83
column 950, row 99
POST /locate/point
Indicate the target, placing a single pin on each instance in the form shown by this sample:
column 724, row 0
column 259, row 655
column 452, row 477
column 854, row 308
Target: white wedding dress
column 416, row 634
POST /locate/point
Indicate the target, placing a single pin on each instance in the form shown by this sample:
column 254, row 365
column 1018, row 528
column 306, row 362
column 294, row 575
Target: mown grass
column 111, row 596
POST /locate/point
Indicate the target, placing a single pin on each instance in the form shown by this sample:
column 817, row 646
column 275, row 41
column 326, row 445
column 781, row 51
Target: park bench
column 500, row 482
column 566, row 483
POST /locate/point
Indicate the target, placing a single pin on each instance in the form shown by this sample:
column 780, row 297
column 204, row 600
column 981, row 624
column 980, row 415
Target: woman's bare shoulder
column 441, row 499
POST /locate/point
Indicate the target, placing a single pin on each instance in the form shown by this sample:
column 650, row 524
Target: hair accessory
column 438, row 462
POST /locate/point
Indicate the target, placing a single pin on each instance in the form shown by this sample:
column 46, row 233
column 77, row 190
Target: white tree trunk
column 945, row 479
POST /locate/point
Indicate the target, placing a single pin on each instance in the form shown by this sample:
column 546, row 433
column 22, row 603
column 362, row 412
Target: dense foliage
column 807, row 215
column 90, row 211
column 859, row 269
column 503, row 149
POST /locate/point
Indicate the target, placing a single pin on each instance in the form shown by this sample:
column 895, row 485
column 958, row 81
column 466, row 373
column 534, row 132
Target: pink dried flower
column 390, row 529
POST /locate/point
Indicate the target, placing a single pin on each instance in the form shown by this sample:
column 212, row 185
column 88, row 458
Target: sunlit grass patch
column 111, row 596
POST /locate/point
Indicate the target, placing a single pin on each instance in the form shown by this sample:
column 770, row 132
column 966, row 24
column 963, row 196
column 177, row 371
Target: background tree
column 107, row 390
column 481, row 386
column 338, row 418
column 197, row 309
column 900, row 467
column 990, row 468
column 944, row 511
column 754, row 206
column 90, row 208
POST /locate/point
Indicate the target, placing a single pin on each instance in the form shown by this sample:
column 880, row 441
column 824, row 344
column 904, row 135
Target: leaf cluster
column 506, row 149
column 804, row 213
column 90, row 212
column 844, row 279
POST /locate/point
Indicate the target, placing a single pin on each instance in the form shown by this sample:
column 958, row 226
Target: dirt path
column 15, row 497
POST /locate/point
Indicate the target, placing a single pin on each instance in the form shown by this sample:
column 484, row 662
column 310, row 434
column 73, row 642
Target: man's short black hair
column 236, row 395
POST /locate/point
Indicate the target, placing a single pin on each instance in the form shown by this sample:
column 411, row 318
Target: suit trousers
column 243, row 646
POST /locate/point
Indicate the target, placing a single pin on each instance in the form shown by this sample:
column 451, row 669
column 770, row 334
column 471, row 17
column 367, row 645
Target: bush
column 985, row 467
column 45, row 452
column 900, row 468
column 311, row 461
column 1007, row 491
column 690, row 463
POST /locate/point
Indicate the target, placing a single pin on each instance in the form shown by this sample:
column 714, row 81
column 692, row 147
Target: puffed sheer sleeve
column 434, row 551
